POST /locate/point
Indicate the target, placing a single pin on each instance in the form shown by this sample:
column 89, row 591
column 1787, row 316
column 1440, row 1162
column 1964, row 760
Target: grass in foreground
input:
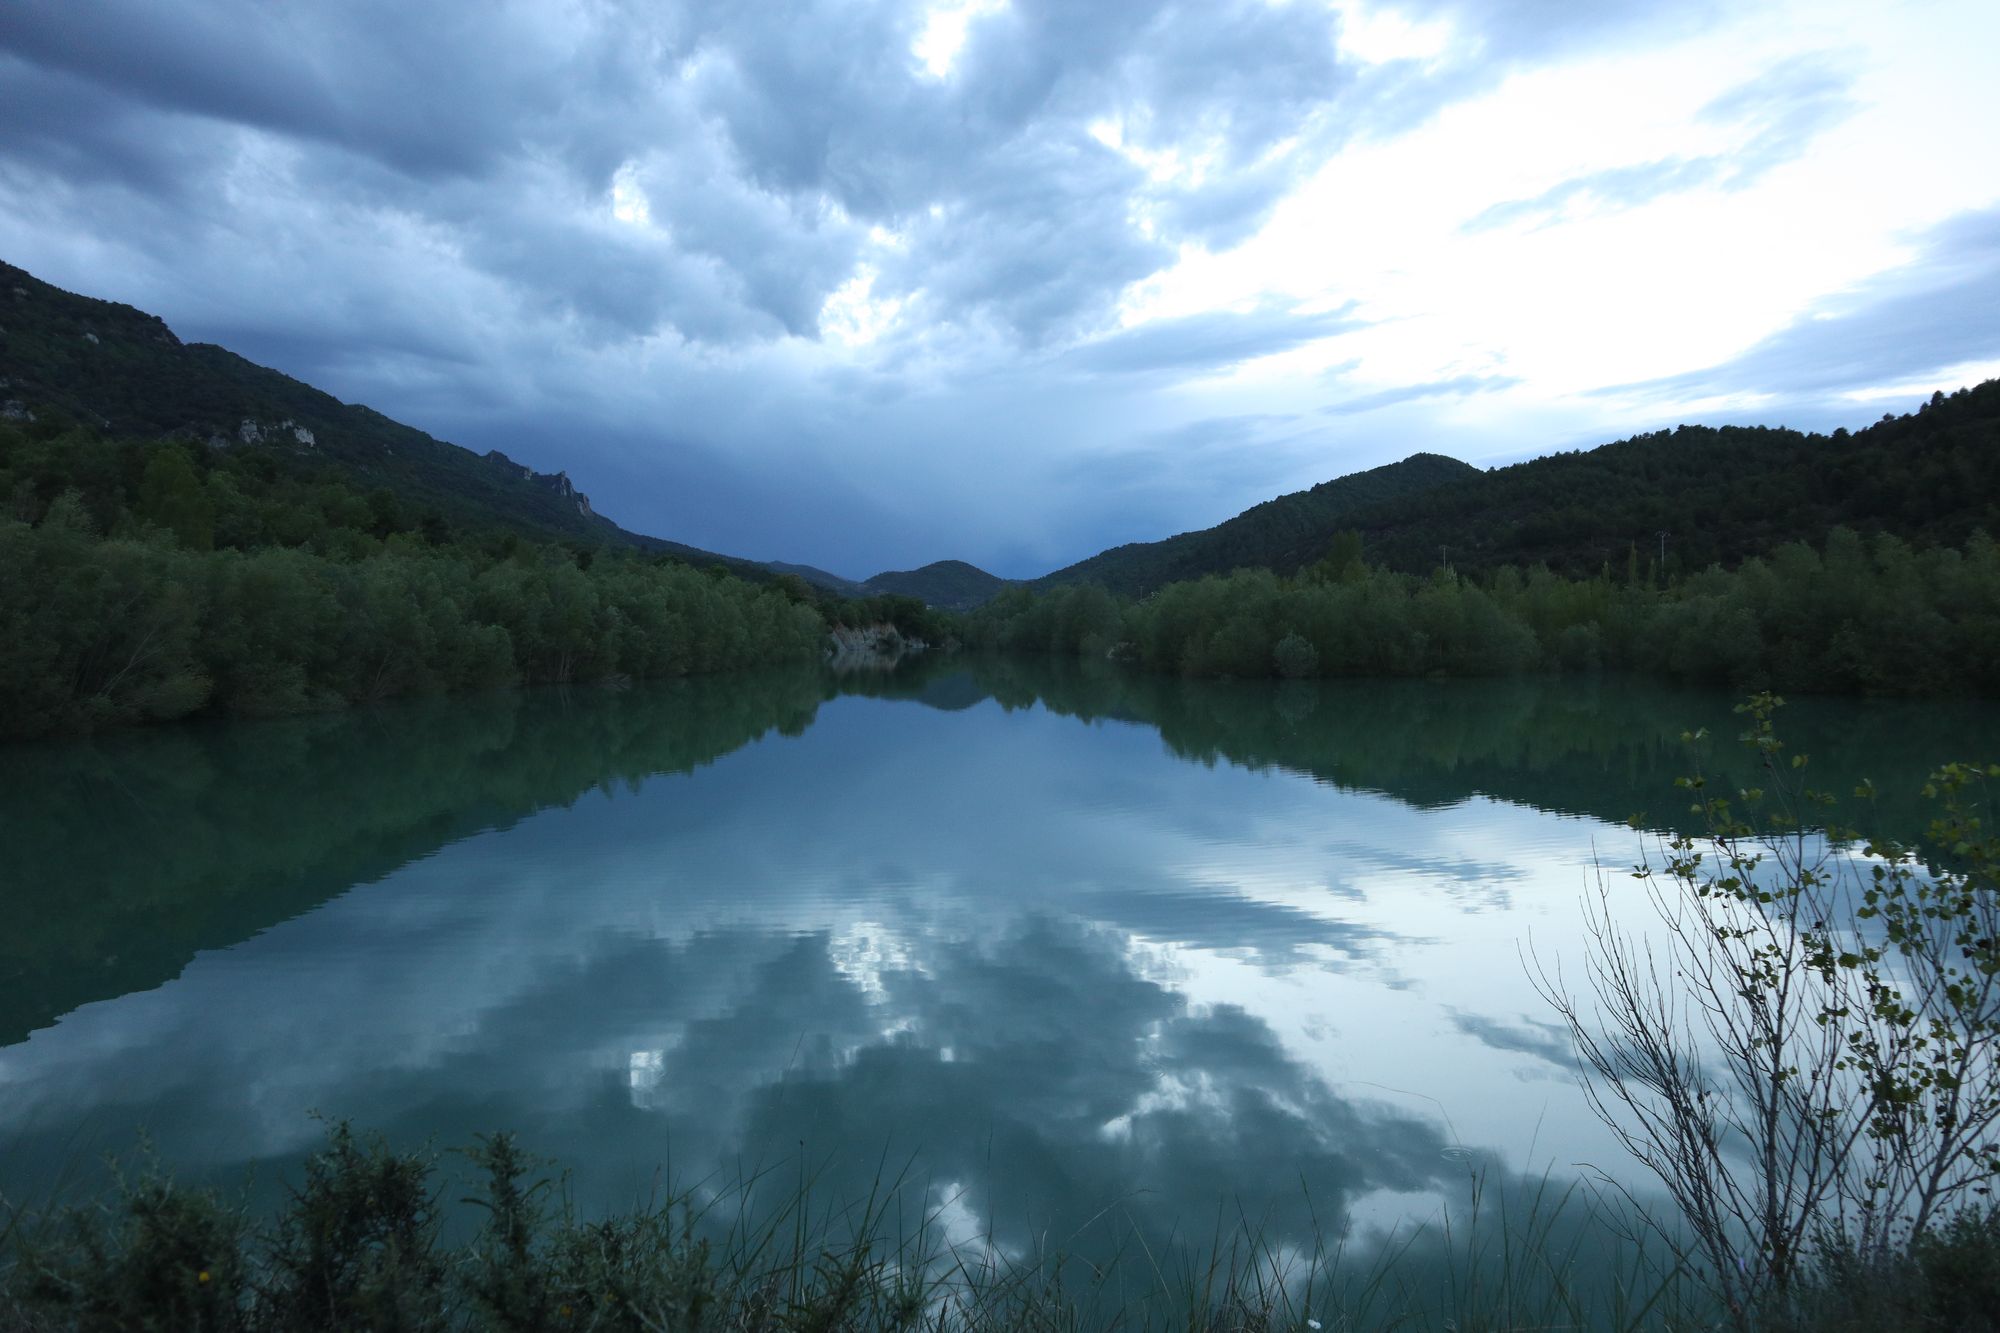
column 362, row 1244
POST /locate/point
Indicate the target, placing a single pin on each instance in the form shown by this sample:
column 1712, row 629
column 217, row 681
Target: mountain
column 1707, row 495
column 1280, row 534
column 950, row 584
column 122, row 371
column 1702, row 495
column 819, row 578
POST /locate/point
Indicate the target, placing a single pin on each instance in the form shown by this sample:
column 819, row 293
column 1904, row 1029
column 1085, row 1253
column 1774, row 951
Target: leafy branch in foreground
column 1806, row 1049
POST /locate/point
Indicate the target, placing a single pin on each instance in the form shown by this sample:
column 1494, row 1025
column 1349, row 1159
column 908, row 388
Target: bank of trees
column 1853, row 615
column 154, row 581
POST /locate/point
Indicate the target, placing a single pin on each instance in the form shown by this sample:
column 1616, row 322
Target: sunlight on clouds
column 1594, row 289
column 866, row 951
column 1163, row 166
column 628, row 199
column 944, row 33
column 853, row 316
column 1378, row 36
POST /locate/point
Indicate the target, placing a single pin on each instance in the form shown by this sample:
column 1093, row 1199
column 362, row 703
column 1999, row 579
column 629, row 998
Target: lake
column 1037, row 946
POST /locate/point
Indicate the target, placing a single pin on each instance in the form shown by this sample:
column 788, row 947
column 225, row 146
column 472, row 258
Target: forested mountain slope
column 1279, row 534
column 120, row 371
column 1720, row 494
column 950, row 584
column 819, row 578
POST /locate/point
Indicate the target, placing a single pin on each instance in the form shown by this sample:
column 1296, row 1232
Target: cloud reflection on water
column 1051, row 967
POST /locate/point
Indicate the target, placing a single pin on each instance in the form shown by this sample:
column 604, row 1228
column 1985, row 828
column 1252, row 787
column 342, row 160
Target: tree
column 171, row 497
column 1342, row 560
column 1807, row 1051
column 1295, row 657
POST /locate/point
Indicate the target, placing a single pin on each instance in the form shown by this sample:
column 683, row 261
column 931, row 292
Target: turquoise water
column 1034, row 944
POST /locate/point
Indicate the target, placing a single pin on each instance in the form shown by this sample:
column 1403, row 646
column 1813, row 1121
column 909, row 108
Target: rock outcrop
column 868, row 647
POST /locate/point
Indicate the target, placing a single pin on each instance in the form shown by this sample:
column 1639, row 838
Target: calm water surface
column 1037, row 943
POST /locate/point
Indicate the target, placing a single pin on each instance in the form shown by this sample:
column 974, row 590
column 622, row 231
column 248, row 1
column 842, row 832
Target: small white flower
column 1313, row 1324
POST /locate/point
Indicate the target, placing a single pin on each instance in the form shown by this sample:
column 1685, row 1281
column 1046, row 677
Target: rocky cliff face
column 868, row 647
column 253, row 431
column 561, row 485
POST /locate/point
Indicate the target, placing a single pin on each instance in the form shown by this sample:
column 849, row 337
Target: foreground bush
column 362, row 1244
column 367, row 1241
column 1804, row 1043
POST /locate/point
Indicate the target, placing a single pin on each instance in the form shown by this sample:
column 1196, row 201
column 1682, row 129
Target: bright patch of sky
column 1598, row 292
column 628, row 198
column 1909, row 390
column 1378, row 35
column 944, row 33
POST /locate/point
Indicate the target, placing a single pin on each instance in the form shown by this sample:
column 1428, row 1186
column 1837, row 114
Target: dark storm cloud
column 1036, row 241
column 766, row 148
column 1010, row 209
column 58, row 125
column 1940, row 311
column 1781, row 112
column 493, row 134
column 884, row 140
column 428, row 89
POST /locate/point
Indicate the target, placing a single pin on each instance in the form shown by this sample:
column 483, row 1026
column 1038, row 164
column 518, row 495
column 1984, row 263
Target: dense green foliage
column 1267, row 536
column 1699, row 494
column 157, row 580
column 1721, row 495
column 950, row 584
column 72, row 360
column 1860, row 616
column 1947, row 1280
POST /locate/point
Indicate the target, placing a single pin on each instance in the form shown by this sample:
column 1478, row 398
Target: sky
column 868, row 283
